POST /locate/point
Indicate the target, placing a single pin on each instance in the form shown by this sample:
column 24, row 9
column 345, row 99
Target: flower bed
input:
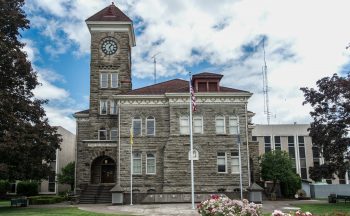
column 297, row 213
column 223, row 206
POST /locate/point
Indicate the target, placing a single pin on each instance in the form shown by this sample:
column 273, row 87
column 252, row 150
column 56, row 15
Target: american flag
column 193, row 99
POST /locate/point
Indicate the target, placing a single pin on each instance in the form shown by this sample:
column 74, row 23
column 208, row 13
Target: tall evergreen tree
column 26, row 138
column 331, row 124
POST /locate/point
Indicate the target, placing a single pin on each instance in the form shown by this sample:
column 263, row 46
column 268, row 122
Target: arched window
column 150, row 126
column 151, row 163
column 137, row 126
column 220, row 125
column 184, row 125
column 234, row 124
column 198, row 124
column 151, row 191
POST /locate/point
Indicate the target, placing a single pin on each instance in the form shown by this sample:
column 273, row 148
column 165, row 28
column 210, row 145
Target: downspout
column 118, row 181
column 247, row 140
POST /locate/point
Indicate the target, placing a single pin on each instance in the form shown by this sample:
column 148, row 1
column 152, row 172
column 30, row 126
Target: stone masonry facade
column 166, row 103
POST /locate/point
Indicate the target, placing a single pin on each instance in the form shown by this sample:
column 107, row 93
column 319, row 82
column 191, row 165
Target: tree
column 67, row 175
column 276, row 166
column 26, row 138
column 331, row 124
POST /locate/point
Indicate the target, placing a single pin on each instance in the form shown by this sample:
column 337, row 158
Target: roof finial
column 112, row 3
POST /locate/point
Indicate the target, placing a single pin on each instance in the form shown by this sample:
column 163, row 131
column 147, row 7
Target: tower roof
column 110, row 13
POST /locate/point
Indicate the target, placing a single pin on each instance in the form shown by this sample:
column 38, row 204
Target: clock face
column 109, row 46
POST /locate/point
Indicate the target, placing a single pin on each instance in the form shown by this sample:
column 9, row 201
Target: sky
column 304, row 41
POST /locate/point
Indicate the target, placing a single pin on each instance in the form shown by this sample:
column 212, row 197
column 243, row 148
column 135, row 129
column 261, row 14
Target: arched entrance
column 103, row 170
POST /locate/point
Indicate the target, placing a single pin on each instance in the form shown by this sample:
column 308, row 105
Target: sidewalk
column 179, row 209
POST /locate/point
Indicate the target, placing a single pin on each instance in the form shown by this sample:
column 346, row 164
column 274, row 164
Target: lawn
column 69, row 211
column 326, row 209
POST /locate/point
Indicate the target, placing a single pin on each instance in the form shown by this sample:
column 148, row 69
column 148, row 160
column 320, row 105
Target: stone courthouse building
column 159, row 117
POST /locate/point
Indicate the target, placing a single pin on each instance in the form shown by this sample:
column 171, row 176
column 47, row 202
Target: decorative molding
column 102, row 145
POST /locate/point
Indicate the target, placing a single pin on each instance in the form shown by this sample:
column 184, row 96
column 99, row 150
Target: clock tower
column 112, row 36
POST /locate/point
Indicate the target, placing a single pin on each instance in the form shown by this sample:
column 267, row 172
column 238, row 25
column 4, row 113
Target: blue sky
column 304, row 42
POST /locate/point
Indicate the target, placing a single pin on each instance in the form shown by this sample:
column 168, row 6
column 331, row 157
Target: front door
column 107, row 173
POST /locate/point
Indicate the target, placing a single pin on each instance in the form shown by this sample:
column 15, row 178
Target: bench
column 343, row 197
column 23, row 202
column 333, row 198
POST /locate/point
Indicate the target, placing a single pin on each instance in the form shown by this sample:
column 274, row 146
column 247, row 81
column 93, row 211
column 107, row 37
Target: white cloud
column 312, row 33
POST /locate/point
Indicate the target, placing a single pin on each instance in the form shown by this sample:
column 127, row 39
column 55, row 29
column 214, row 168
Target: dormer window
column 207, row 82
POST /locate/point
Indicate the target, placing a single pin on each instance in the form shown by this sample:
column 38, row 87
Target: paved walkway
column 179, row 209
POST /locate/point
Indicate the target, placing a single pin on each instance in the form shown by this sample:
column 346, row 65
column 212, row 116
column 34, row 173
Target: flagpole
column 131, row 163
column 191, row 144
column 240, row 159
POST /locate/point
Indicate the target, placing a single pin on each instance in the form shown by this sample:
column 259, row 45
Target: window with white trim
column 220, row 125
column 198, row 124
column 104, row 80
column 114, row 134
column 114, row 80
column 150, row 126
column 113, row 107
column 222, row 162
column 136, row 163
column 137, row 126
column 103, row 107
column 235, row 162
column 151, row 163
column 184, row 125
column 102, row 134
column 233, row 124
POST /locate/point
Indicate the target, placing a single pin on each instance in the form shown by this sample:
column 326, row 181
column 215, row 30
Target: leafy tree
column 276, row 166
column 26, row 138
column 67, row 175
column 331, row 124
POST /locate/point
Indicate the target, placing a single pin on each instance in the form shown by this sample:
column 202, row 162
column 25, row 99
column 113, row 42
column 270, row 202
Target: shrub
column 4, row 187
column 27, row 188
column 290, row 187
column 41, row 200
column 222, row 206
column 297, row 213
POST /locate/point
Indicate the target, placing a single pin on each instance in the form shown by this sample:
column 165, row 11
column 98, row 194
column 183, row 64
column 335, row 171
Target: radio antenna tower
column 266, row 88
column 154, row 57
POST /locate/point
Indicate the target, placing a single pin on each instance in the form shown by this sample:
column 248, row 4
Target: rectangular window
column 220, row 125
column 103, row 107
column 235, row 162
column 102, row 134
column 184, row 125
column 302, row 155
column 114, row 134
column 202, row 87
column 198, row 124
column 113, row 107
column 114, row 80
column 291, row 150
column 52, row 181
column 151, row 163
column 213, row 87
column 254, row 138
column 267, row 141
column 150, row 126
column 222, row 162
column 277, row 143
column 137, row 126
column 104, row 80
column 234, row 124
column 136, row 163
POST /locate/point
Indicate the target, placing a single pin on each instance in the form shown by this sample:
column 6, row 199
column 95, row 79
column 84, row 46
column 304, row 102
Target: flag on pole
column 193, row 98
column 131, row 136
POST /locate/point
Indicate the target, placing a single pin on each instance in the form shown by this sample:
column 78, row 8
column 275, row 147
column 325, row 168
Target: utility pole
column 154, row 57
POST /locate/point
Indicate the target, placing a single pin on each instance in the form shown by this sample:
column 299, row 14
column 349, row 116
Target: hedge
column 4, row 187
column 27, row 188
column 40, row 200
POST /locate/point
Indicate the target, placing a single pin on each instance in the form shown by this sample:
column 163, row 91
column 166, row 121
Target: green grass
column 326, row 209
column 69, row 211
column 4, row 203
